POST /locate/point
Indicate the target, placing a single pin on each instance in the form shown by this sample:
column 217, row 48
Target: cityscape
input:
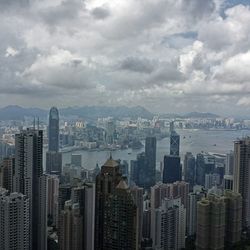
column 125, row 125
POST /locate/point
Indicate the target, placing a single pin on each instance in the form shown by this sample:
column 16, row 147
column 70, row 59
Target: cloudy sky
column 166, row 55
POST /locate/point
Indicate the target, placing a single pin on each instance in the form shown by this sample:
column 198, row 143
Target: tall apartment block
column 241, row 181
column 15, row 221
column 29, row 180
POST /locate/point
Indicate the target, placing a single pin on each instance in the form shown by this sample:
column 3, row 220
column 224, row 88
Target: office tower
column 233, row 224
column 121, row 231
column 174, row 144
column 170, row 225
column 53, row 157
column 146, row 223
column 189, row 169
column 193, row 198
column 89, row 216
column 6, row 173
column 53, row 129
column 138, row 198
column 64, row 195
column 139, row 172
column 110, row 131
column 205, row 164
column 76, row 160
column 229, row 163
column 210, row 232
column 124, row 168
column 228, row 182
column 52, row 204
column 241, row 176
column 29, row 180
column 172, row 169
column 134, row 173
column 106, row 182
column 15, row 221
column 53, row 162
column 150, row 155
column 180, row 189
column 211, row 180
column 70, row 227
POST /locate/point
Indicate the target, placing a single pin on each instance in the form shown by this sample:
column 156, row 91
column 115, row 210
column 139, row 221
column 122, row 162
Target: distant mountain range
column 14, row 112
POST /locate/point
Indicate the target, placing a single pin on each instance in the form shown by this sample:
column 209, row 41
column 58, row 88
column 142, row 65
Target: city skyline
column 158, row 56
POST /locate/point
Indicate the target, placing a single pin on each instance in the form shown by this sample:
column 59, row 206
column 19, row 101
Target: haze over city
column 168, row 56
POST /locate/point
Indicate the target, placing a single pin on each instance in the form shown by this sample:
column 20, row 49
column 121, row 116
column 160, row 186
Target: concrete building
column 241, row 181
column 29, row 180
column 53, row 162
column 189, row 169
column 219, row 221
column 15, row 221
column 170, row 225
column 71, row 227
column 52, row 204
column 172, row 169
column 210, row 232
column 6, row 173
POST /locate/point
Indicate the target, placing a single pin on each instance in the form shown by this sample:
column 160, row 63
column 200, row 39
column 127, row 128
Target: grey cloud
column 100, row 12
column 137, row 65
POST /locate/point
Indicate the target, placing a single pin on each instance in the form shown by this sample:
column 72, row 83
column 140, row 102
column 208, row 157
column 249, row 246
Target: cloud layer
column 167, row 55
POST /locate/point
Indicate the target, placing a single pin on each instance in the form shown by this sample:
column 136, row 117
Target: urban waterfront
column 194, row 141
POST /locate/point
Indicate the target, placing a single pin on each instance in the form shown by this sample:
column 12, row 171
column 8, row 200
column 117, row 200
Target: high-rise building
column 150, row 168
column 241, row 182
column 229, row 168
column 53, row 193
column 193, row 198
column 211, row 180
column 6, row 173
column 138, row 198
column 219, row 221
column 53, row 162
column 233, row 224
column 189, row 169
column 174, row 144
column 172, row 169
column 71, row 227
column 121, row 231
column 29, row 180
column 14, row 221
column 205, row 164
column 228, row 182
column 76, row 160
column 170, row 225
column 210, row 232
column 106, row 181
column 159, row 192
column 53, row 129
column 53, row 156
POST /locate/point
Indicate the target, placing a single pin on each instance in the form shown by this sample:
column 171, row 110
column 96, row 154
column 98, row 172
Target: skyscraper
column 106, row 181
column 205, row 164
column 14, row 221
column 71, row 227
column 210, row 232
column 29, row 180
column 189, row 169
column 121, row 231
column 174, row 143
column 219, row 221
column 170, row 225
column 150, row 155
column 53, row 129
column 53, row 157
column 172, row 169
column 241, row 176
column 116, row 211
column 6, row 173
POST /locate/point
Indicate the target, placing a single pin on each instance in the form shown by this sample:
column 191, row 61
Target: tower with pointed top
column 116, row 212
